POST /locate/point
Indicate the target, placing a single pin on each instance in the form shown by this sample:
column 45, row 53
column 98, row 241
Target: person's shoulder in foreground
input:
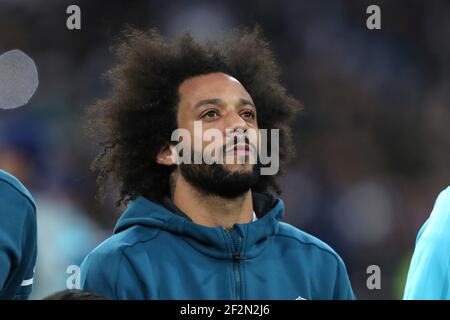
column 429, row 272
column 18, row 244
column 157, row 254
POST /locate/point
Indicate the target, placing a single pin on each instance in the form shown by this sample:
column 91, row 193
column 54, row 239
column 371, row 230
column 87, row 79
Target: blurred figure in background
column 18, row 243
column 18, row 247
column 65, row 233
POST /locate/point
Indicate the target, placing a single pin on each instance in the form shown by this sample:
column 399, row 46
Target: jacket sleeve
column 18, row 244
column 429, row 271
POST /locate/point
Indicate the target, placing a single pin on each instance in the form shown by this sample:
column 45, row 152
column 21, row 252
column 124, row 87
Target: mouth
column 240, row 149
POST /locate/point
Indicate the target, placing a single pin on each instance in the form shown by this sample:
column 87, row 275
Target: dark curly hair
column 138, row 117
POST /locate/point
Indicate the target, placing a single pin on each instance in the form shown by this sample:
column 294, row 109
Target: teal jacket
column 429, row 272
column 157, row 253
column 18, row 243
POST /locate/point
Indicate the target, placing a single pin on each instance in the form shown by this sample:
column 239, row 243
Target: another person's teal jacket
column 18, row 244
column 157, row 252
column 429, row 272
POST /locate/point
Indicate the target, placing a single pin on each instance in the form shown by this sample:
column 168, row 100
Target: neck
column 209, row 210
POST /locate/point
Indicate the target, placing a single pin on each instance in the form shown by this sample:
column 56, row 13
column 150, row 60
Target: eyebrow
column 219, row 102
column 208, row 101
column 245, row 102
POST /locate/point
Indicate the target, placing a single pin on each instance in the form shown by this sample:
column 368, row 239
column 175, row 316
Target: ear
column 164, row 156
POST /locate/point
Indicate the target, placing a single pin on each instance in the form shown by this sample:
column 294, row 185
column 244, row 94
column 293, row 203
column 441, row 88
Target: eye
column 248, row 115
column 210, row 115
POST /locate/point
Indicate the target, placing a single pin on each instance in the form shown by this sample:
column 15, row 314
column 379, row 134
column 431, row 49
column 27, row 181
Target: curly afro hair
column 138, row 117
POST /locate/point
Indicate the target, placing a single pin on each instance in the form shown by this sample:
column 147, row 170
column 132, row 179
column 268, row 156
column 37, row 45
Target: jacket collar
column 243, row 240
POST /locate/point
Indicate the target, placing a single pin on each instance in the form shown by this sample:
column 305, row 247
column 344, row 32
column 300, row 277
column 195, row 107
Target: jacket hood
column 213, row 241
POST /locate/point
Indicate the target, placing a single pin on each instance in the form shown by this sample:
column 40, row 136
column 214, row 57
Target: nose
column 235, row 124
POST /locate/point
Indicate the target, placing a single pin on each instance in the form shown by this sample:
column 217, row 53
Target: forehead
column 211, row 86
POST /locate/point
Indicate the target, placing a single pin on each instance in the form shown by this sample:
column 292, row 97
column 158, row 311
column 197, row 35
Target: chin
column 239, row 167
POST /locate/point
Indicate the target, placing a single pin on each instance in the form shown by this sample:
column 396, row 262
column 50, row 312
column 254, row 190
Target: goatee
column 217, row 180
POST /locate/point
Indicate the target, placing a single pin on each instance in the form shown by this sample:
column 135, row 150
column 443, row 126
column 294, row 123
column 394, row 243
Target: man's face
column 219, row 101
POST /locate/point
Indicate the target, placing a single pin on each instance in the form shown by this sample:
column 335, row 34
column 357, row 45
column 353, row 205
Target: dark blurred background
column 373, row 144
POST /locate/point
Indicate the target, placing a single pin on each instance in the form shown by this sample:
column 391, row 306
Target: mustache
column 234, row 142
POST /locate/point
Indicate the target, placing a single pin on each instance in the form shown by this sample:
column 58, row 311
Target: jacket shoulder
column 13, row 190
column 107, row 270
column 307, row 241
column 117, row 243
column 435, row 228
column 322, row 260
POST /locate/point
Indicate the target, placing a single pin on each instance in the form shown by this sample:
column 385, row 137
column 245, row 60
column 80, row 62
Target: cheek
column 253, row 137
column 210, row 134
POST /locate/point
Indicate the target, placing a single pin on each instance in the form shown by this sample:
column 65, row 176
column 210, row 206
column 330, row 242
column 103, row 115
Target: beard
column 216, row 180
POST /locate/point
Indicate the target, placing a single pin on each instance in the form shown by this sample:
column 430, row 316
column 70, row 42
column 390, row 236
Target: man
column 18, row 245
column 200, row 231
column 429, row 272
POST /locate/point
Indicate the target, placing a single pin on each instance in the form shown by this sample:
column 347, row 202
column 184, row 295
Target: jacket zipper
column 236, row 243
